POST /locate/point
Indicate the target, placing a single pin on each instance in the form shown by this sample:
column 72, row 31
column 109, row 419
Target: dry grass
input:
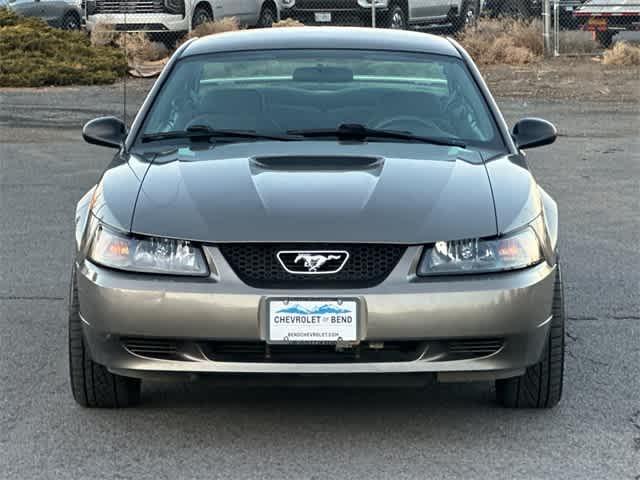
column 622, row 53
column 504, row 41
column 287, row 22
column 140, row 48
column 230, row 24
column 103, row 35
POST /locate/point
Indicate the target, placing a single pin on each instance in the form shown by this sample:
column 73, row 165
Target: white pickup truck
column 399, row 14
column 176, row 15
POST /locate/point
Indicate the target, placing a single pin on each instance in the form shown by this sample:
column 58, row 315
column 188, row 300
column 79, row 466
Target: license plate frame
column 322, row 17
column 348, row 333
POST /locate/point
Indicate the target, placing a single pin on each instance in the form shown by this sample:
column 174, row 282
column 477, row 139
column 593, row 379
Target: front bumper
column 514, row 307
column 345, row 14
column 146, row 22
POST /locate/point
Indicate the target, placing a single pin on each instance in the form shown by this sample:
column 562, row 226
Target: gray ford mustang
column 317, row 201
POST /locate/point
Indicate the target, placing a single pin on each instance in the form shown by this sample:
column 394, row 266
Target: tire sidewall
column 397, row 18
column 267, row 17
column 70, row 22
column 469, row 16
column 200, row 16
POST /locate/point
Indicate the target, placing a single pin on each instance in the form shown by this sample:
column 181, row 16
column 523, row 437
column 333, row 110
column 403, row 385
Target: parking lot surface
column 203, row 430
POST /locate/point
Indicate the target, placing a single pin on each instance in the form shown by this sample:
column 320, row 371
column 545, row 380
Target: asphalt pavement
column 201, row 430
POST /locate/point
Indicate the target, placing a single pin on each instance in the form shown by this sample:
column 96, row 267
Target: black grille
column 257, row 352
column 257, row 265
column 140, row 27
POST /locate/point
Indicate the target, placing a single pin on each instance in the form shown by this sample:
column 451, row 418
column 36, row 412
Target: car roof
column 321, row 38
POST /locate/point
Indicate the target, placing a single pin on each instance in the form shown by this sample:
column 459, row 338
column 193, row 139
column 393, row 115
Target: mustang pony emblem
column 313, row 262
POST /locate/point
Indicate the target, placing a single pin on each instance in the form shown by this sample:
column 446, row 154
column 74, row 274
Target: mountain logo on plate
column 313, row 262
column 316, row 310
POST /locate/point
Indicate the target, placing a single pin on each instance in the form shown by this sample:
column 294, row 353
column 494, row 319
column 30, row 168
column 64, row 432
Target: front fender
column 550, row 207
column 515, row 193
column 82, row 214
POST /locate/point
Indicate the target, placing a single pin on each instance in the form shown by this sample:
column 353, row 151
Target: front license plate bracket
column 333, row 321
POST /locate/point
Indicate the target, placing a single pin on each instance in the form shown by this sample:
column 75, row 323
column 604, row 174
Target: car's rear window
column 273, row 91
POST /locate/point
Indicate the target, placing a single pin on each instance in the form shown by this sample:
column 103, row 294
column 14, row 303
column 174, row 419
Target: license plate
column 312, row 321
column 323, row 17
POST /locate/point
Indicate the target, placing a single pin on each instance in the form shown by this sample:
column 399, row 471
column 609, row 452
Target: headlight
column 288, row 3
column 174, row 6
column 518, row 250
column 147, row 255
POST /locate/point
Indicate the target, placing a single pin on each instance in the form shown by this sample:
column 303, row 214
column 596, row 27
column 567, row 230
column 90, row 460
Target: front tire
column 92, row 384
column 541, row 384
column 396, row 18
column 201, row 15
column 467, row 16
column 71, row 21
column 268, row 16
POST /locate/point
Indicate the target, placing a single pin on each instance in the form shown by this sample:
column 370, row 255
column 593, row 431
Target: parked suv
column 65, row 14
column 177, row 15
column 398, row 14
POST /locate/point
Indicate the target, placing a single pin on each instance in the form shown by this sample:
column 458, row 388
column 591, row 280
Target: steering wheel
column 407, row 119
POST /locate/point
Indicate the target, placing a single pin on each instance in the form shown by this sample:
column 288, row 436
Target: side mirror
column 534, row 132
column 105, row 131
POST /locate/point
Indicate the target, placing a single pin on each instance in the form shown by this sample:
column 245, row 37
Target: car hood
column 276, row 192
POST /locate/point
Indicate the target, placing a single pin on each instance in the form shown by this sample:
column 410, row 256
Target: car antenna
column 126, row 74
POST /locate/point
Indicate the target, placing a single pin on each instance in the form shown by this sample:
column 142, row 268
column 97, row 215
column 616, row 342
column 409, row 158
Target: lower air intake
column 261, row 352
column 475, row 347
column 154, row 348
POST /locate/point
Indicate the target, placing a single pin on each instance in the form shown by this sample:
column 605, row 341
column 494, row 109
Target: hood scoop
column 309, row 181
column 316, row 163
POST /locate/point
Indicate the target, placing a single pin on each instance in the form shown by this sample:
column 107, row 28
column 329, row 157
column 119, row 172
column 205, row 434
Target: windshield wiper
column 356, row 131
column 197, row 132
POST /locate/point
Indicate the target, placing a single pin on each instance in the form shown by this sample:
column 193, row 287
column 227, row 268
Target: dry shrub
column 140, row 48
column 103, row 34
column 34, row 55
column 287, row 22
column 504, row 41
column 622, row 53
column 229, row 24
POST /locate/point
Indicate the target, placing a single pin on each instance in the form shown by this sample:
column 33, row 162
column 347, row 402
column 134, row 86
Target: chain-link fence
column 588, row 26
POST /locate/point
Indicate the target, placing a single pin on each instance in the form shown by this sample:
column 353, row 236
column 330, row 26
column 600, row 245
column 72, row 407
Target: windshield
column 273, row 92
